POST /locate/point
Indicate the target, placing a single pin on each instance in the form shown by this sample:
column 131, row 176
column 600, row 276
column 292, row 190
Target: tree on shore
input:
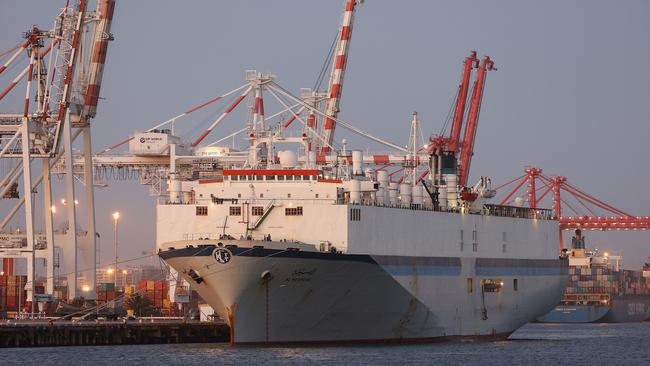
column 140, row 305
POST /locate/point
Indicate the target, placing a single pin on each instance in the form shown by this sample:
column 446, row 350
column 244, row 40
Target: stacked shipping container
column 156, row 291
column 604, row 280
column 12, row 292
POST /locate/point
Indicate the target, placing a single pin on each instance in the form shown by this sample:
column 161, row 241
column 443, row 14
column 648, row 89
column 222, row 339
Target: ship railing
column 488, row 210
column 202, row 236
column 518, row 212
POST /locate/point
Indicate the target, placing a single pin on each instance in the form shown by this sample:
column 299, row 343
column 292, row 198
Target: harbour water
column 534, row 344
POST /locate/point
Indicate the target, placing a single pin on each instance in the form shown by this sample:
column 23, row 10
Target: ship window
column 289, row 177
column 492, row 284
column 270, row 177
column 259, row 177
column 243, row 177
column 504, row 247
column 462, row 244
column 235, row 211
column 504, row 237
column 201, row 210
column 234, row 177
column 280, row 177
column 470, row 285
column 474, row 240
column 316, row 195
column 515, row 284
column 297, row 177
column 305, row 177
column 238, row 195
column 257, row 210
column 293, row 211
column 261, row 195
column 288, row 195
column 355, row 214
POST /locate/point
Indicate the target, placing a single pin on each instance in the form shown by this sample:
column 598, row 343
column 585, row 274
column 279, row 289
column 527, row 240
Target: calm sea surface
column 534, row 344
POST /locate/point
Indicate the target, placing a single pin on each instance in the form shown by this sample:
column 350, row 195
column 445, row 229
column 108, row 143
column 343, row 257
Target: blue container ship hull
column 576, row 314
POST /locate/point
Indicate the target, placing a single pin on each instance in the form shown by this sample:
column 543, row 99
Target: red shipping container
column 12, row 302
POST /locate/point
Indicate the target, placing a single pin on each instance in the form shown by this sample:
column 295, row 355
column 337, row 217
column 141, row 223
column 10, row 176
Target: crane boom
column 101, row 37
column 472, row 120
column 338, row 72
column 470, row 63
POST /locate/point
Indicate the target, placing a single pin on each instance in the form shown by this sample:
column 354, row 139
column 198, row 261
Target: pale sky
column 570, row 95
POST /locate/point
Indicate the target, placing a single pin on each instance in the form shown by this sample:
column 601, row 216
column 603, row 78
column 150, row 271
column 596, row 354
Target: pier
column 87, row 333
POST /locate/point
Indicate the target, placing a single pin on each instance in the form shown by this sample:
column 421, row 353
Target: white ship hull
column 275, row 295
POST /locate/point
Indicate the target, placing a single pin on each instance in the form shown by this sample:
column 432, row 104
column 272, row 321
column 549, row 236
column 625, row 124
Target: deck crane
column 471, row 62
column 451, row 157
column 337, row 74
column 467, row 149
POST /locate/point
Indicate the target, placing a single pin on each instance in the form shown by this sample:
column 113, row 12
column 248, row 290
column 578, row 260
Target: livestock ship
column 599, row 290
column 289, row 250
column 297, row 239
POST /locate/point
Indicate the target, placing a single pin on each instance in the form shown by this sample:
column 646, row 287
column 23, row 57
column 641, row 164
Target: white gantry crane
column 63, row 77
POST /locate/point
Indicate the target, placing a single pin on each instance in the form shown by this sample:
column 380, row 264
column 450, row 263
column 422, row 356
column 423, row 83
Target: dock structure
column 47, row 334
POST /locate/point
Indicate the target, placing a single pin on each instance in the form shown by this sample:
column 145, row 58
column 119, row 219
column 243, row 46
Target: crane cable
column 448, row 118
column 328, row 60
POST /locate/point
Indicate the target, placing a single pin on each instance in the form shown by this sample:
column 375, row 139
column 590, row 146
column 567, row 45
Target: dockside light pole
column 116, row 217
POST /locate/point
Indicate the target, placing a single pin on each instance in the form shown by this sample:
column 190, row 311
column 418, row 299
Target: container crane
column 589, row 219
column 67, row 92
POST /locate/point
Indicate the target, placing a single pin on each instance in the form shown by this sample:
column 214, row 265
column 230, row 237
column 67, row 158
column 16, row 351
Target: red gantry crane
column 588, row 219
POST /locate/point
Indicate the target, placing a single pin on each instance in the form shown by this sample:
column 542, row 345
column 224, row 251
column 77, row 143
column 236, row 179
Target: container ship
column 599, row 290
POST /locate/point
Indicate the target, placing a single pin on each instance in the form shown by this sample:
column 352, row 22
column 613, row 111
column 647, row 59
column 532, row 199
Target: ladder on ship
column 267, row 210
